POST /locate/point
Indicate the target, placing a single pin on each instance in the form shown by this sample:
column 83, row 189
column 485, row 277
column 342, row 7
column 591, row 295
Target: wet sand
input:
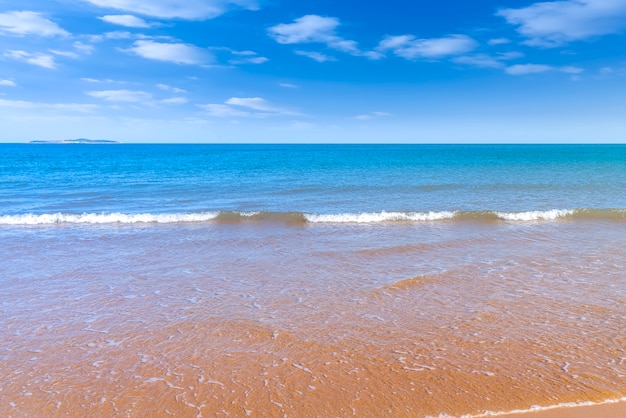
column 307, row 322
column 606, row 410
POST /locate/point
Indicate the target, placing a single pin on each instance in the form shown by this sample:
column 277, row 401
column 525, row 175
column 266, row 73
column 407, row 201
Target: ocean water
column 310, row 280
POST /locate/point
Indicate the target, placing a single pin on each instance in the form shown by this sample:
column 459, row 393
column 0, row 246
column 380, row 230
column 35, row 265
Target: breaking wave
column 295, row 218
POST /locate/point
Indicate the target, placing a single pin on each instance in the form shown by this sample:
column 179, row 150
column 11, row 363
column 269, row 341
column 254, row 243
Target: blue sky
column 313, row 71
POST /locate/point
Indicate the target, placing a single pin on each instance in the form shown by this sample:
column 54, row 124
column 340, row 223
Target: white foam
column 536, row 408
column 375, row 217
column 535, row 215
column 104, row 218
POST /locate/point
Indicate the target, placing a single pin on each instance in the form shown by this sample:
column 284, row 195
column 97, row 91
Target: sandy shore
column 606, row 410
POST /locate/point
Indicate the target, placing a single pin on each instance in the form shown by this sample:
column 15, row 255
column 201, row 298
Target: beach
column 403, row 313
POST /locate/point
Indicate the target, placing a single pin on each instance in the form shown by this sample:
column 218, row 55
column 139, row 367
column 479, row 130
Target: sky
column 308, row 71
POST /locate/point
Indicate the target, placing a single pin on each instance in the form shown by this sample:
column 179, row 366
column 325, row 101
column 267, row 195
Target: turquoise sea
column 310, row 280
column 360, row 182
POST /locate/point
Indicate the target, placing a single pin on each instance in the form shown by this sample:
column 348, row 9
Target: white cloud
column 411, row 48
column 172, row 9
column 554, row 23
column 258, row 104
column 83, row 48
column 167, row 87
column 523, row 69
column 223, row 111
column 126, row 20
column 480, row 60
column 174, row 101
column 172, row 52
column 288, row 85
column 7, row 83
column 67, row 54
column 249, row 60
column 317, row 29
column 498, row 41
column 38, row 59
column 317, row 56
column 372, row 115
column 70, row 107
column 246, row 107
column 488, row 61
column 29, row 23
column 121, row 95
column 309, row 28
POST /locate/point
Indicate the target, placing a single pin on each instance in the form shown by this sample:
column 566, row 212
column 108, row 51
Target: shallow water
column 272, row 319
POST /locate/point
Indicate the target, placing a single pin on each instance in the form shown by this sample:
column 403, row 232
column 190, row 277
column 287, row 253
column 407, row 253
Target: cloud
column 309, row 28
column 554, row 23
column 411, row 48
column 498, row 41
column 245, row 57
column 38, row 59
column 7, row 83
column 29, row 23
column 480, row 60
column 317, row 56
column 70, row 107
column 372, row 115
column 224, row 111
column 126, row 20
column 317, row 29
column 67, row 54
column 288, row 85
column 487, row 61
column 523, row 69
column 171, row 52
column 121, row 95
column 246, row 107
column 174, row 101
column 167, row 87
column 175, row 9
column 249, row 60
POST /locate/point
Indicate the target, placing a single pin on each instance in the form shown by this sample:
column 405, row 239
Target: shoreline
column 607, row 409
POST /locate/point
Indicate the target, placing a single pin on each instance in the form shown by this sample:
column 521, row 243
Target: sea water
column 310, row 280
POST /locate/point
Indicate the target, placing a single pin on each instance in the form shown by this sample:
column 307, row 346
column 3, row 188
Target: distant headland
column 75, row 141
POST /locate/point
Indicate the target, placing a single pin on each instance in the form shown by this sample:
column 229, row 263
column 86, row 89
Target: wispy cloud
column 131, row 96
column 524, row 69
column 29, row 23
column 126, row 20
column 7, row 83
column 288, row 85
column 171, row 52
column 65, row 107
column 246, row 107
column 317, row 56
column 498, row 41
column 247, row 57
column 38, row 59
column 486, row 60
column 172, row 89
column 317, row 29
column 412, row 48
column 169, row 9
column 372, row 115
column 554, row 23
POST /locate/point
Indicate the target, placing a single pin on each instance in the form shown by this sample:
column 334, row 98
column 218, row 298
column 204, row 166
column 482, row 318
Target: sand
column 605, row 410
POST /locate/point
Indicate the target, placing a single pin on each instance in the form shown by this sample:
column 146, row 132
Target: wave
column 297, row 218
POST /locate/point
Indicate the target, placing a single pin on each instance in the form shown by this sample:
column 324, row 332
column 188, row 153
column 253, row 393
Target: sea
column 145, row 280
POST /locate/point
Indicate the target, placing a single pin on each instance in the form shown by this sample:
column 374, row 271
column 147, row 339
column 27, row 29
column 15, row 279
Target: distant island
column 75, row 141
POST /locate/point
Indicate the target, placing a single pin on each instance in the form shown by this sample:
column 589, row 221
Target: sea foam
column 104, row 218
column 376, row 217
